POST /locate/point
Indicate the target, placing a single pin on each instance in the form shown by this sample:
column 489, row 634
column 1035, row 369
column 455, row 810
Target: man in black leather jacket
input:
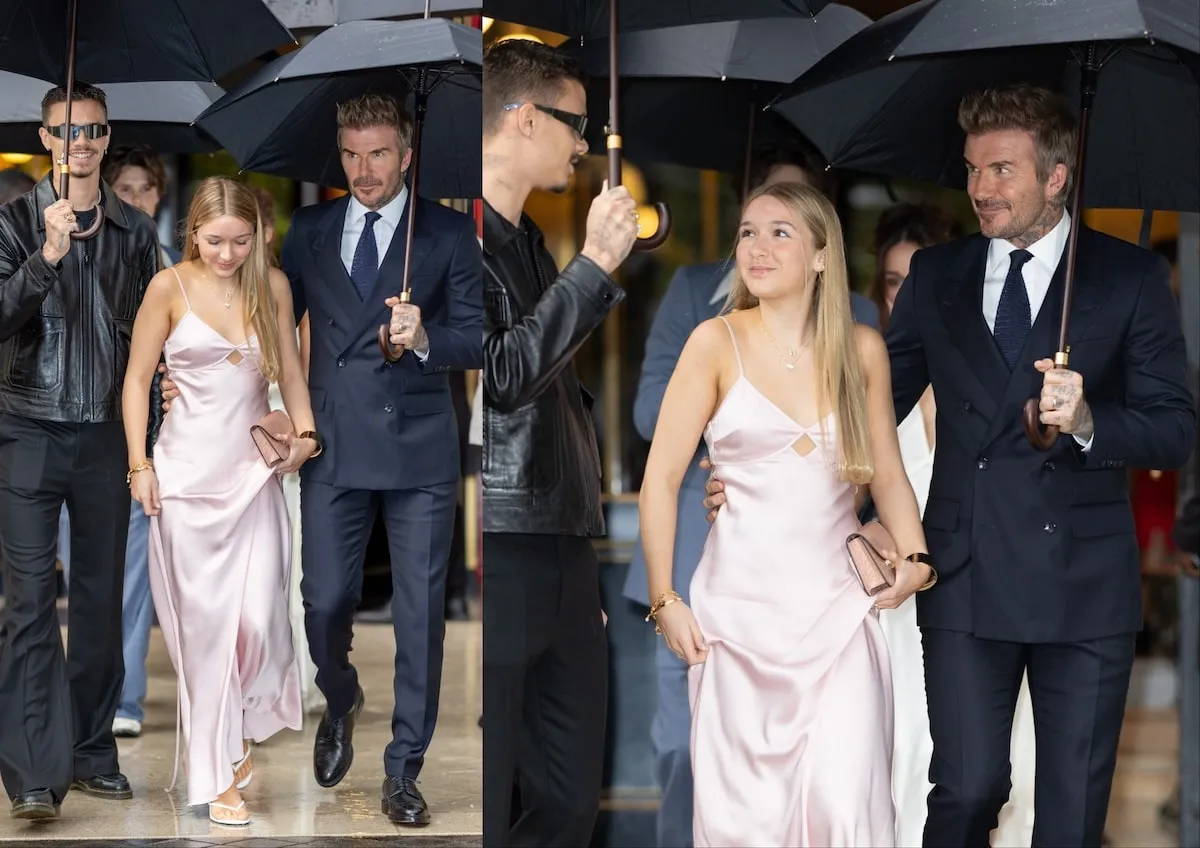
column 545, row 653
column 66, row 315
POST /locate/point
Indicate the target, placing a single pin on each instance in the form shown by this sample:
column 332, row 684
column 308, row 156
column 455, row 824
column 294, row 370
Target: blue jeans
column 137, row 608
column 670, row 734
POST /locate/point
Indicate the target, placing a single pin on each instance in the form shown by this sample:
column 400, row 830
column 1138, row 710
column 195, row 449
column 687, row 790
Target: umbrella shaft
column 65, row 163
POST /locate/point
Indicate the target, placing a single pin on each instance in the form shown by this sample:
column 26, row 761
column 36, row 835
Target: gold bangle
column 925, row 559
column 144, row 465
column 656, row 607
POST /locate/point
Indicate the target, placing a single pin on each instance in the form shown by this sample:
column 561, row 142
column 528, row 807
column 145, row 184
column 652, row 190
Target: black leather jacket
column 541, row 463
column 65, row 330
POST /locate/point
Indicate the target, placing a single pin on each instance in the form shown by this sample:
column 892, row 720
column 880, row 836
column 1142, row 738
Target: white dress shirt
column 385, row 230
column 1037, row 273
column 385, row 227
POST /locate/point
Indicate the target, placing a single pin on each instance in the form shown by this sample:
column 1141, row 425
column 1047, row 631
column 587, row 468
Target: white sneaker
column 127, row 728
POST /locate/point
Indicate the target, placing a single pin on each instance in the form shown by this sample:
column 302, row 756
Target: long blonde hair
column 219, row 196
column 840, row 382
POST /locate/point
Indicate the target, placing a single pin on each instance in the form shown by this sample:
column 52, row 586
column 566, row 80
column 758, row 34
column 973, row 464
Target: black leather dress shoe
column 35, row 804
column 402, row 802
column 333, row 750
column 112, row 786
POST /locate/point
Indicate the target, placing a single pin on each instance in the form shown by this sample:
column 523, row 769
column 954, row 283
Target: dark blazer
column 386, row 426
column 1186, row 533
column 1033, row 546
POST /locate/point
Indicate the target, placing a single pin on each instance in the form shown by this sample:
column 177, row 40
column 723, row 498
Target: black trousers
column 337, row 525
column 1078, row 694
column 58, row 712
column 545, row 690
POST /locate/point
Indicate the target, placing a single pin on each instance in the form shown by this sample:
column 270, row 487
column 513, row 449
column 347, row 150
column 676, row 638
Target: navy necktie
column 365, row 266
column 1013, row 317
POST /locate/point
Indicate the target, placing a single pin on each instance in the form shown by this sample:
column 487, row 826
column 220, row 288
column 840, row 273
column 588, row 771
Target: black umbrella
column 115, row 41
column 713, row 79
column 600, row 18
column 157, row 114
column 362, row 10
column 136, row 40
column 327, row 13
column 590, row 18
column 880, row 104
column 283, row 120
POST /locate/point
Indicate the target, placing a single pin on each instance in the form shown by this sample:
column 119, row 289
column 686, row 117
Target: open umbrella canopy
column 874, row 104
column 158, row 114
column 589, row 18
column 283, row 120
column 713, row 79
column 137, row 40
column 362, row 10
column 326, row 13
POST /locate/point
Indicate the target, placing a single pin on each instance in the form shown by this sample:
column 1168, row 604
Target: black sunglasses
column 576, row 122
column 91, row 131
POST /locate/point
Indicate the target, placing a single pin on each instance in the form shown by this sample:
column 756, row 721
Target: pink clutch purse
column 874, row 571
column 273, row 450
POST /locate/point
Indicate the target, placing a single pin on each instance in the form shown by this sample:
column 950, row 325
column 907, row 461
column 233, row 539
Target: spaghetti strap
column 733, row 338
column 186, row 301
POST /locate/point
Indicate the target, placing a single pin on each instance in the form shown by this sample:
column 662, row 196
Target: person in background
column 697, row 293
column 456, row 567
column 266, row 207
column 314, row 701
column 13, row 184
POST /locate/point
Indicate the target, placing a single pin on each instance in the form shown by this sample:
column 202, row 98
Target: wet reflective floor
column 286, row 805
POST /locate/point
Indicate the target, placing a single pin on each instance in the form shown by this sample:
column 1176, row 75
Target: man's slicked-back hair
column 82, row 92
column 368, row 111
column 1044, row 114
column 518, row 70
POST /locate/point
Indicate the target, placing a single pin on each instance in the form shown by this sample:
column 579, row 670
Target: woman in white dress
column 902, row 230
column 311, row 697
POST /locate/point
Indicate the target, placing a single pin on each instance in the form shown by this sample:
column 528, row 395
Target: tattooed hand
column 612, row 228
column 1062, row 402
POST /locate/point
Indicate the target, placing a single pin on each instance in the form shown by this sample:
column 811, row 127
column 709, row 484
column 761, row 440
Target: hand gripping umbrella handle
column 1042, row 438
column 651, row 242
column 614, row 142
column 390, row 352
column 64, row 163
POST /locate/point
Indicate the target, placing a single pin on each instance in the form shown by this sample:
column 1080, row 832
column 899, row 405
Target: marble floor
column 286, row 805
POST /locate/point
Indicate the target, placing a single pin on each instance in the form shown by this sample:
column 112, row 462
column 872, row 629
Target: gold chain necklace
column 787, row 355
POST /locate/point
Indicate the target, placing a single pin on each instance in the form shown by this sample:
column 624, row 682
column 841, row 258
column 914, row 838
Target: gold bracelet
column 144, row 465
column 656, row 607
column 924, row 559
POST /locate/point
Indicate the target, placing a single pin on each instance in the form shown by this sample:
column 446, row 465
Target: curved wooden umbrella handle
column 1042, row 438
column 391, row 353
column 655, row 241
column 91, row 231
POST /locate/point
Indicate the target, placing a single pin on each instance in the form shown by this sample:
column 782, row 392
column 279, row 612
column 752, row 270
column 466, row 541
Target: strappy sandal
column 243, row 771
column 228, row 822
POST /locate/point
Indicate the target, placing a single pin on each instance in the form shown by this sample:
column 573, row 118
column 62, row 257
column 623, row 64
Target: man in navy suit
column 696, row 294
column 1038, row 561
column 390, row 439
column 388, row 434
